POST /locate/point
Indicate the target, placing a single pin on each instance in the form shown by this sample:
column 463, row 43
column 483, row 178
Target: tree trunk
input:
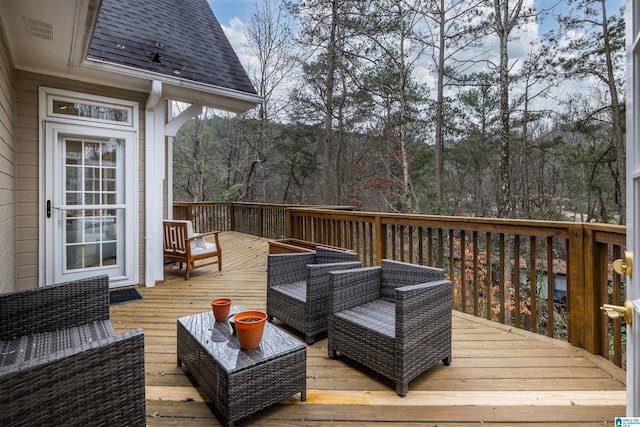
column 329, row 190
column 406, row 178
column 439, row 145
column 616, row 116
column 504, row 23
column 504, row 196
column 526, row 202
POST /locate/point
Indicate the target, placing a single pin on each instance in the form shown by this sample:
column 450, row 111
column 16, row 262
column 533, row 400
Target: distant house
column 85, row 130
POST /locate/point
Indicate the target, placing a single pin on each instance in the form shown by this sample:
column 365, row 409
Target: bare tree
column 597, row 51
column 508, row 15
column 454, row 26
column 270, row 42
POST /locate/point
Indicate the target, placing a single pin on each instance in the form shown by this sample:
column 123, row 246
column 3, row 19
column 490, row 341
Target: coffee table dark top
column 217, row 339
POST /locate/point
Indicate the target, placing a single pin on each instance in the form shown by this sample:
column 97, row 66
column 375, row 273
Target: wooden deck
column 498, row 376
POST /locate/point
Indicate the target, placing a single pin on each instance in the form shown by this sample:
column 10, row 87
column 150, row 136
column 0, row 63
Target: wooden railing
column 491, row 262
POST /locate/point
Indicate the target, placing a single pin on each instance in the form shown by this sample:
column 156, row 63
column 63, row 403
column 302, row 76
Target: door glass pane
column 92, row 178
column 92, row 237
column 74, row 178
column 73, row 198
column 109, row 151
column 74, row 152
column 90, row 111
column 109, row 179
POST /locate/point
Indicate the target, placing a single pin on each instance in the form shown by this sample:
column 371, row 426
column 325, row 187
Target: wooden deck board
column 499, row 375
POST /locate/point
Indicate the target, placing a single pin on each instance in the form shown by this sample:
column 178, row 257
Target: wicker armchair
column 298, row 287
column 394, row 319
column 61, row 362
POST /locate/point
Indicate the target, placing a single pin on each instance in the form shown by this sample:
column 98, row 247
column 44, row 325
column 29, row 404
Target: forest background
column 489, row 108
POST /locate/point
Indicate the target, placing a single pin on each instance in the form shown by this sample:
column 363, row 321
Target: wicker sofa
column 298, row 287
column 61, row 363
column 394, row 319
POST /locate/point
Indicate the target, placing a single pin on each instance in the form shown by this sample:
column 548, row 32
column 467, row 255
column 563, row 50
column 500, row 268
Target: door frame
column 632, row 18
column 51, row 118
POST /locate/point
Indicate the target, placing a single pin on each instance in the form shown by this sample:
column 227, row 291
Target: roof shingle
column 181, row 39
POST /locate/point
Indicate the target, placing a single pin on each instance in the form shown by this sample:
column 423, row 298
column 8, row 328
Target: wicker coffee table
column 240, row 382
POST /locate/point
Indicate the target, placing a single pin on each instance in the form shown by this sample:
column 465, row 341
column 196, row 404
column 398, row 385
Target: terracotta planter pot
column 249, row 328
column 221, row 307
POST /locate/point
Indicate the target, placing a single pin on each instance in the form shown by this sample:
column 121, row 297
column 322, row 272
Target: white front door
column 87, row 214
column 633, row 203
column 89, row 186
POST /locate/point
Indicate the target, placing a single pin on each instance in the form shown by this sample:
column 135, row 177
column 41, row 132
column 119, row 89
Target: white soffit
column 42, row 34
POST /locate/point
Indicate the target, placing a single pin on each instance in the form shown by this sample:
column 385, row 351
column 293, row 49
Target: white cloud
column 235, row 32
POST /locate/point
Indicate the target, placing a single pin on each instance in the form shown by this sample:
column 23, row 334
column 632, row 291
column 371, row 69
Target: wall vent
column 38, row 29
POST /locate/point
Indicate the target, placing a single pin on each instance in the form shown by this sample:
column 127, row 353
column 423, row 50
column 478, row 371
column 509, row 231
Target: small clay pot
column 221, row 307
column 249, row 328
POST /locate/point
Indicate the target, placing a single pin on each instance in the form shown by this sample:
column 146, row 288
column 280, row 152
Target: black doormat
column 121, row 296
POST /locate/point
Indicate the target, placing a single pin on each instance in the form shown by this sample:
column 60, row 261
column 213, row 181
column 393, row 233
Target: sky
column 226, row 10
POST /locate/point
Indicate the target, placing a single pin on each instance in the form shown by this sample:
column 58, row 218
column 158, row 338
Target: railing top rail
column 267, row 205
column 510, row 226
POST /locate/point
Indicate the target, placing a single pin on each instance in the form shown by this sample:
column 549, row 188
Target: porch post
column 153, row 179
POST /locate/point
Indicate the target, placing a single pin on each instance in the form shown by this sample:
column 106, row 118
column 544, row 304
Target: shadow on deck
column 499, row 375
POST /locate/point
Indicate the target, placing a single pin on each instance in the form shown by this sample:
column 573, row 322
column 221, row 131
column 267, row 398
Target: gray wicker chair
column 61, row 362
column 394, row 319
column 298, row 287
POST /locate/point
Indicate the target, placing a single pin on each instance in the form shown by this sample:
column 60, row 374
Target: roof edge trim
column 175, row 81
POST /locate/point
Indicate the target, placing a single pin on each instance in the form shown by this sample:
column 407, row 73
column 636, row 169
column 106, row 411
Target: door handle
column 616, row 311
column 48, row 208
column 624, row 265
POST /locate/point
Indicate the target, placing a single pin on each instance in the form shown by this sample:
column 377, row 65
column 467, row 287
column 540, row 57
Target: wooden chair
column 181, row 244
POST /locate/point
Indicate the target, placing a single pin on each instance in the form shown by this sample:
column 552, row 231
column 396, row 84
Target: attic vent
column 38, row 29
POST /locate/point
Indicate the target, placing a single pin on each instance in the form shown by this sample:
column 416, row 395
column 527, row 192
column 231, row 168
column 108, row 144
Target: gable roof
column 180, row 39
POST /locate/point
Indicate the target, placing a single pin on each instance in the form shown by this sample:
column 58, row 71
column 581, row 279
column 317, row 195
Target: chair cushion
column 29, row 347
column 199, row 241
column 297, row 290
column 378, row 315
column 208, row 248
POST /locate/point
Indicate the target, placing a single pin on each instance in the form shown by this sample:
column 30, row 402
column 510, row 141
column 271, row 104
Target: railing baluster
column 393, row 241
column 440, row 248
column 463, row 272
column 533, row 283
column 501, row 266
column 617, row 300
column 476, row 288
column 372, row 253
column 489, row 278
column 430, row 245
column 550, row 289
column 516, row 279
column 421, row 246
column 451, row 253
column 410, row 240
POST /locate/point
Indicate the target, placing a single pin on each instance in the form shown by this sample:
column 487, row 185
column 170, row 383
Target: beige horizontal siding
column 7, row 172
column 27, row 165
